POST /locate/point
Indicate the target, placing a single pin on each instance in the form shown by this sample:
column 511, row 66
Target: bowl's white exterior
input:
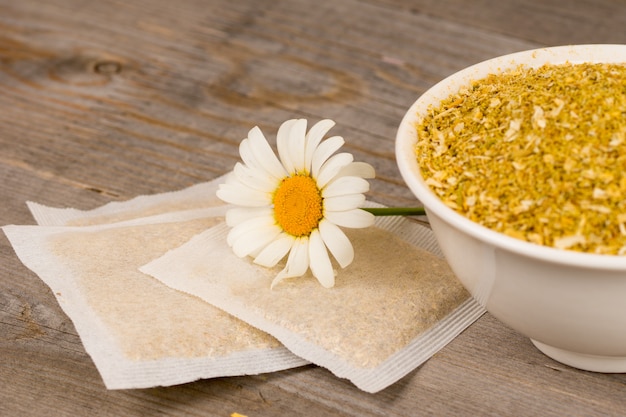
column 572, row 305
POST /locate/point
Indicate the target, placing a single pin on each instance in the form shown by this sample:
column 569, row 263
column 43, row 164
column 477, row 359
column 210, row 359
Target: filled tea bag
column 395, row 306
column 139, row 332
column 197, row 200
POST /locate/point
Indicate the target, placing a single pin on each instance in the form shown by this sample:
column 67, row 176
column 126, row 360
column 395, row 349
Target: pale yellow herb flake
column 538, row 154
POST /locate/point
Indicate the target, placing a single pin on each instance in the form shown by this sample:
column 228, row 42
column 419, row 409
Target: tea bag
column 396, row 305
column 195, row 200
column 139, row 332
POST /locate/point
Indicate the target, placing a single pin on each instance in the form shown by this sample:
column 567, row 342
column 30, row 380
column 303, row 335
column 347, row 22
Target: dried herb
column 538, row 154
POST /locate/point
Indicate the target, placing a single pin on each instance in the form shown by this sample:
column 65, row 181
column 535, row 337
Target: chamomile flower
column 293, row 205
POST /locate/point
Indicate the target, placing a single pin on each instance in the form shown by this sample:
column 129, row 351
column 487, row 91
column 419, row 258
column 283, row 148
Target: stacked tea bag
column 158, row 297
column 139, row 332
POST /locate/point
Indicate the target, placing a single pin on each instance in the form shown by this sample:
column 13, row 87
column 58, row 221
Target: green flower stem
column 395, row 211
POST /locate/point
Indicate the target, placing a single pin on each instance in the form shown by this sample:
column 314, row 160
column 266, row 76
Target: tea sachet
column 197, row 200
column 139, row 332
column 395, row 306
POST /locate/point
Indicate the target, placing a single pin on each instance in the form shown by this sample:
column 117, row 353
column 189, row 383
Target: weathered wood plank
column 548, row 23
column 243, row 74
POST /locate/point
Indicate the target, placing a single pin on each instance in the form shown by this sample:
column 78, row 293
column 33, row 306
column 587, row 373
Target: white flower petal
column 239, row 215
column 320, row 264
column 345, row 185
column 264, row 154
column 254, row 178
column 253, row 254
column 337, row 243
column 279, row 277
column 323, row 152
column 242, row 229
column 247, row 156
column 230, row 178
column 242, row 195
column 282, row 144
column 297, row 262
column 356, row 218
column 358, row 169
column 255, row 239
column 297, row 144
column 331, row 168
column 275, row 251
column 344, row 202
column 313, row 139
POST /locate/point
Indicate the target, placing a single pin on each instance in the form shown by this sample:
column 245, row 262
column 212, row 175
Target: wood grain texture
column 103, row 101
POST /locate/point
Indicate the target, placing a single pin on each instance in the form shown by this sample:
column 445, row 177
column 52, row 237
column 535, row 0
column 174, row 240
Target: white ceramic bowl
column 571, row 305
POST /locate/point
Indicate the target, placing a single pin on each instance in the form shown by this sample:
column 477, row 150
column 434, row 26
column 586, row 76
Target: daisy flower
column 293, row 204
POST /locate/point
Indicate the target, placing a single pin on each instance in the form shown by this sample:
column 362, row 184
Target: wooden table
column 104, row 100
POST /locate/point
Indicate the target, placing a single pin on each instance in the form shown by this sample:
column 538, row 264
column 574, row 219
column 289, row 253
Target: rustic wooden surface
column 105, row 100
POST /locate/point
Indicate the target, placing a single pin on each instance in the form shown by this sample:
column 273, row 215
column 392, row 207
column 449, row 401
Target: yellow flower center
column 298, row 205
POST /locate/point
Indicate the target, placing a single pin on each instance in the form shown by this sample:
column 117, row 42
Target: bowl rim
column 409, row 168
